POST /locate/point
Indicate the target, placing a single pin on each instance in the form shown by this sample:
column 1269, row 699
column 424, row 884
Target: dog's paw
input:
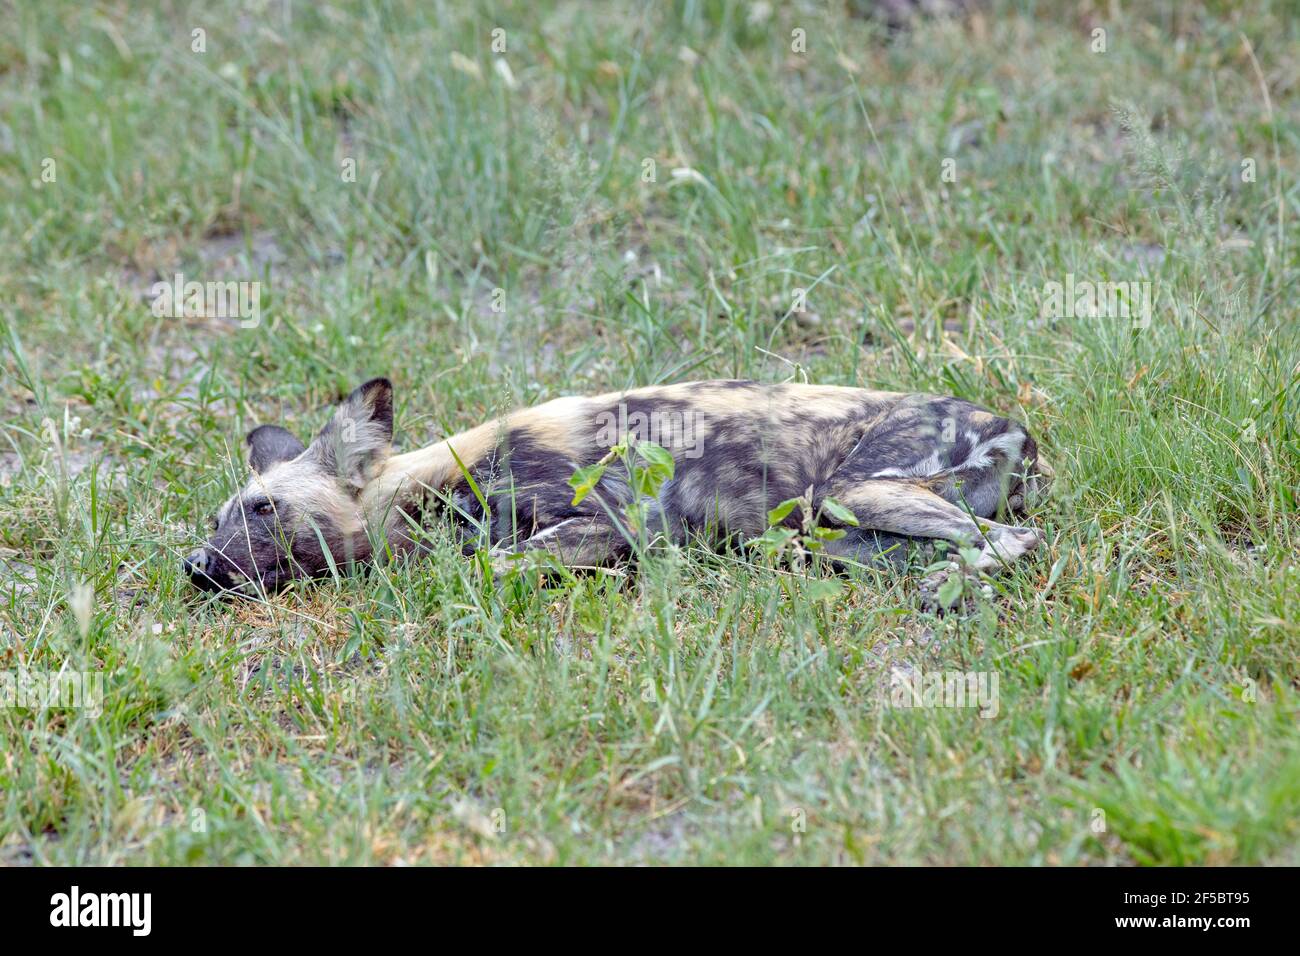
column 1006, row 545
column 953, row 584
column 1023, row 540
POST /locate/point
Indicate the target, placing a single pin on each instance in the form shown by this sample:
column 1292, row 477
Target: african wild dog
column 908, row 466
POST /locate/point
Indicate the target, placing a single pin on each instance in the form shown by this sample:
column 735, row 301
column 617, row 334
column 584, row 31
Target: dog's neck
column 410, row 476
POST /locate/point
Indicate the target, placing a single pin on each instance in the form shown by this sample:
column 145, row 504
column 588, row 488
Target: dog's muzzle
column 196, row 565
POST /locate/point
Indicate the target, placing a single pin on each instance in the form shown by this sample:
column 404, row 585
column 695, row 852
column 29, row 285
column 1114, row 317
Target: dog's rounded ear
column 358, row 438
column 268, row 445
column 372, row 402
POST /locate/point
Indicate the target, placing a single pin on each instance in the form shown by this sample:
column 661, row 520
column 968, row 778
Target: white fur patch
column 981, row 456
column 1009, row 443
column 921, row 469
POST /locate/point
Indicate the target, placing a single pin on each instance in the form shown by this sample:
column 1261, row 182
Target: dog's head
column 301, row 507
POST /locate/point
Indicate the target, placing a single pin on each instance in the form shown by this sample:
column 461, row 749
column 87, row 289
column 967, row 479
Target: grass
column 707, row 709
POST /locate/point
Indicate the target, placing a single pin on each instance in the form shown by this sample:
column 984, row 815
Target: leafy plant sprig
column 649, row 466
column 811, row 535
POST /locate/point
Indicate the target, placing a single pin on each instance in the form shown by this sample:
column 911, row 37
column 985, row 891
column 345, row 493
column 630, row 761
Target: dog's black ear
column 269, row 445
column 359, row 437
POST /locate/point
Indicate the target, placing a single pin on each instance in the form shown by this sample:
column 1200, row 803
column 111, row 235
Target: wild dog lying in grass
column 906, row 466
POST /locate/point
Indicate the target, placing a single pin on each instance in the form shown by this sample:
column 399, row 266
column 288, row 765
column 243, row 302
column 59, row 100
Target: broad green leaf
column 584, row 480
column 779, row 513
column 774, row 540
column 658, row 456
column 950, row 590
column 839, row 512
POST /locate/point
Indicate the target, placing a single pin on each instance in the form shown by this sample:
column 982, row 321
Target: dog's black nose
column 199, row 568
column 196, row 565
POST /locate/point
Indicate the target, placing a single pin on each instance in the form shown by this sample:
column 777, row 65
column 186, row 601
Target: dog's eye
column 213, row 523
column 263, row 508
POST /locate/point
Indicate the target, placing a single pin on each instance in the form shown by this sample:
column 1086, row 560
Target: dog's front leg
column 582, row 542
column 901, row 507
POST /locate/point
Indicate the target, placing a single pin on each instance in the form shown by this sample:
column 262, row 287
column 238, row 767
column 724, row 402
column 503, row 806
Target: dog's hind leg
column 871, row 548
column 583, row 541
